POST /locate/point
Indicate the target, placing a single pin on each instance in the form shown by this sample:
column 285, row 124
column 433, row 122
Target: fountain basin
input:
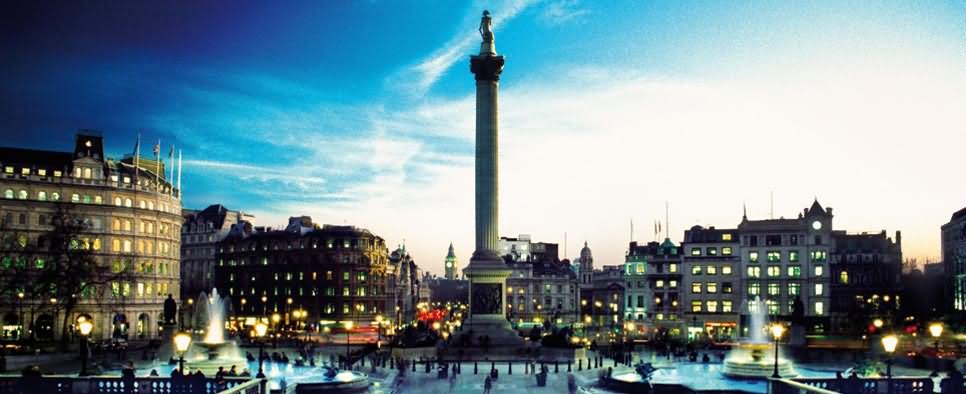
column 342, row 382
column 754, row 361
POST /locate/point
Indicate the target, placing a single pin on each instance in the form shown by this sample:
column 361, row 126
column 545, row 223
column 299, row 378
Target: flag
column 171, row 163
column 157, row 148
column 137, row 154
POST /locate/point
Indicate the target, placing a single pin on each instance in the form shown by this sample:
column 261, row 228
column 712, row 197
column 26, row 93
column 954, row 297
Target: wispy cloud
column 562, row 11
column 429, row 70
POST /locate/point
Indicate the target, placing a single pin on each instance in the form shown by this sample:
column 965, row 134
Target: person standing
column 487, row 385
column 571, row 383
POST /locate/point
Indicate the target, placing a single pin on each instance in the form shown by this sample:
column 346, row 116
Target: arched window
column 22, row 195
column 42, row 196
column 55, row 196
column 151, row 205
column 117, row 201
column 8, row 193
column 142, row 205
column 127, row 202
column 74, row 197
column 87, row 173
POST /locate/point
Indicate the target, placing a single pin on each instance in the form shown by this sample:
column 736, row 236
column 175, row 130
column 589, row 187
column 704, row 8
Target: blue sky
column 362, row 112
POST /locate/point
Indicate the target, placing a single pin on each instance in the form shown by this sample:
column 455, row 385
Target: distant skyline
column 362, row 112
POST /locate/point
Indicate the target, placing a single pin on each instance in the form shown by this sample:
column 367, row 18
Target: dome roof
column 585, row 252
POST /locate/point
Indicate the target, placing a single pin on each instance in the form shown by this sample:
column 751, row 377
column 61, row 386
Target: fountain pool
column 754, row 359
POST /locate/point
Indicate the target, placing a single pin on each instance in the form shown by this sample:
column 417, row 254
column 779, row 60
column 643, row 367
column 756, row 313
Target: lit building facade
column 652, row 275
column 333, row 273
column 785, row 261
column 200, row 233
column 602, row 305
column 711, row 283
column 131, row 217
column 866, row 273
column 540, row 287
column 954, row 261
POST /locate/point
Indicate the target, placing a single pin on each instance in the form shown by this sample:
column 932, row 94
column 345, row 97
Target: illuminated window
column 695, row 306
column 774, row 270
column 819, row 255
column 774, row 256
column 726, row 269
column 753, row 257
column 695, row 251
column 754, row 272
column 819, row 308
column 794, row 271
column 55, row 196
column 754, row 289
column 42, row 196
column 712, row 251
column 8, row 193
column 727, row 288
column 793, row 256
column 794, row 289
column 819, row 289
column 673, row 267
column 774, row 289
column 726, row 237
column 712, row 306
column 659, row 284
column 696, row 270
column 345, row 291
column 844, row 277
column 673, row 284
column 8, row 169
column 711, row 287
column 726, row 251
column 711, row 270
column 819, row 270
column 773, row 307
column 726, row 306
column 696, row 288
column 640, row 269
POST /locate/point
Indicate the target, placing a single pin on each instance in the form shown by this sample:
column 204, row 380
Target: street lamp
column 877, row 323
column 379, row 320
column 348, row 329
column 936, row 329
column 889, row 342
column 776, row 331
column 260, row 330
column 181, row 343
column 275, row 319
column 85, row 329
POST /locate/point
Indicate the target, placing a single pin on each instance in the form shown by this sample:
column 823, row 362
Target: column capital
column 486, row 67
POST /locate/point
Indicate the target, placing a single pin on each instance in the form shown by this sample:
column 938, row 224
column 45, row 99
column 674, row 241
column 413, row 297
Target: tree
column 65, row 268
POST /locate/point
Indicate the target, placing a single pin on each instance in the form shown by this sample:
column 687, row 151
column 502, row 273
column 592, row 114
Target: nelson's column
column 486, row 271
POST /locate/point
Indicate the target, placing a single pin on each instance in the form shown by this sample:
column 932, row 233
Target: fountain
column 214, row 350
column 750, row 359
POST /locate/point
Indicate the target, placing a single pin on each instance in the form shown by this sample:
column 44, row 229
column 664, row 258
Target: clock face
column 449, row 265
column 817, row 225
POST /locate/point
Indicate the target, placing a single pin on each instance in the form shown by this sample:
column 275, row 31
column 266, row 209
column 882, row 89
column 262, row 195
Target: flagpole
column 179, row 173
column 137, row 158
column 157, row 165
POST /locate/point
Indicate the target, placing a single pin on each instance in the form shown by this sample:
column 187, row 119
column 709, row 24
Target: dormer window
column 25, row 171
column 42, row 172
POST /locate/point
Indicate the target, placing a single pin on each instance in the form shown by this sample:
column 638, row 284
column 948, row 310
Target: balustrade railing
column 118, row 385
column 900, row 385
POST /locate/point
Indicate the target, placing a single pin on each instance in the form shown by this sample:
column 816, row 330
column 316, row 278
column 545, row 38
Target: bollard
column 580, row 364
column 556, row 367
column 414, row 365
column 475, row 368
column 615, row 362
column 392, row 363
column 509, row 367
column 568, row 366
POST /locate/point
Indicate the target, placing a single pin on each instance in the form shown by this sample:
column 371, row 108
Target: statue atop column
column 486, row 32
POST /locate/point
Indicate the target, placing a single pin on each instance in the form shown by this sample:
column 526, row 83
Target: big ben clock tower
column 451, row 263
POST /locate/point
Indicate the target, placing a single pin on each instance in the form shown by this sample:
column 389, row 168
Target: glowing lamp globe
column 877, row 323
column 936, row 329
column 889, row 342
column 182, row 341
column 86, row 327
column 777, row 330
column 348, row 325
column 261, row 329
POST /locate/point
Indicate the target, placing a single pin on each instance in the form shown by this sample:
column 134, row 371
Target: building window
column 8, row 169
column 673, row 268
column 711, row 270
column 696, row 270
column 793, row 256
column 345, row 275
column 726, row 269
column 727, row 288
column 754, row 289
column 726, row 251
column 773, row 307
column 794, row 271
column 127, row 202
column 774, row 289
column 55, row 196
column 712, row 251
column 695, row 251
column 774, row 270
column 819, row 270
column 712, row 306
column 819, row 289
column 8, row 193
column 711, row 287
column 753, row 257
column 753, row 240
column 819, row 255
column 695, row 306
column 774, row 256
column 844, row 277
column 22, row 194
column 726, row 306
column 819, row 308
column 673, row 284
column 726, row 237
column 42, row 196
column 659, row 284
column 696, row 288
column 794, row 289
column 754, row 272
column 640, row 269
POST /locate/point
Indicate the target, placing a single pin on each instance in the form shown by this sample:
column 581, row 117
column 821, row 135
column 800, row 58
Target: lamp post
column 889, row 342
column 85, row 329
column 776, row 331
column 379, row 320
column 260, row 330
column 181, row 343
column 20, row 296
column 275, row 319
column 348, row 329
column 936, row 329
